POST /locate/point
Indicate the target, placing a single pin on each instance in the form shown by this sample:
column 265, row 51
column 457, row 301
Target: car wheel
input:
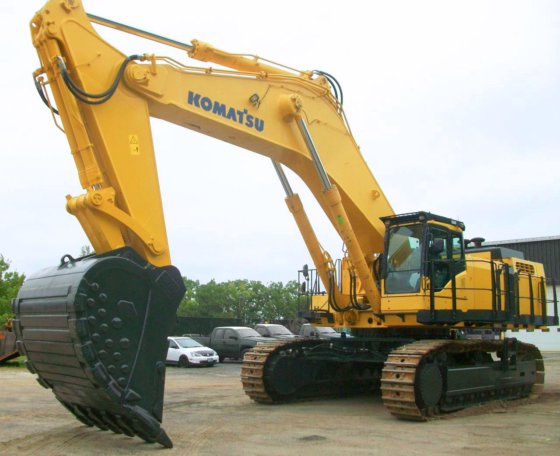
column 183, row 361
column 245, row 350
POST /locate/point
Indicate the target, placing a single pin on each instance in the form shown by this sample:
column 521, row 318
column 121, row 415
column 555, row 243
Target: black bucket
column 95, row 331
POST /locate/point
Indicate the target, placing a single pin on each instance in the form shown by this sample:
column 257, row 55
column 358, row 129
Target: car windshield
column 248, row 332
column 279, row 331
column 325, row 330
column 187, row 342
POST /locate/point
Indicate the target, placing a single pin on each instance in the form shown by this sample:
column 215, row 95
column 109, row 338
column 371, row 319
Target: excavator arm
column 94, row 330
column 254, row 105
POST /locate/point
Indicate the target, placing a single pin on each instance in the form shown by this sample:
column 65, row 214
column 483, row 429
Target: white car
column 185, row 352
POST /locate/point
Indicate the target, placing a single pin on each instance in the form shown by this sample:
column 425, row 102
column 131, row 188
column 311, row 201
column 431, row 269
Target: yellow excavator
column 409, row 287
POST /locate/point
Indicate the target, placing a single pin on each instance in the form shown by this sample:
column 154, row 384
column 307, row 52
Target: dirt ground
column 207, row 413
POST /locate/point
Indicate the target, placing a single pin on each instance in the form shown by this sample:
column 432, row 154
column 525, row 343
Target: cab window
column 457, row 247
column 404, row 259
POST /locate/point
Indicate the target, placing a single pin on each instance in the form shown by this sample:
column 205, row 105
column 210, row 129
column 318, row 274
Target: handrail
column 504, row 303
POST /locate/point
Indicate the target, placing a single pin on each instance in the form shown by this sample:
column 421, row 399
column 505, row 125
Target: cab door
column 445, row 256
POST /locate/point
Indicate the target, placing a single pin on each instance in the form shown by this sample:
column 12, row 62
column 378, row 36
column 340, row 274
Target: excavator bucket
column 95, row 331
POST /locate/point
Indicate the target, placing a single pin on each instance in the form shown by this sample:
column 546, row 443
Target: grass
column 16, row 363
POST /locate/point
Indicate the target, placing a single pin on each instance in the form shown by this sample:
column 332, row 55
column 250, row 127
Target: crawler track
column 409, row 396
column 259, row 363
column 304, row 369
column 252, row 371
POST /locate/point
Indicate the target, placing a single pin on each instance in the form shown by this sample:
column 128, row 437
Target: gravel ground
column 207, row 413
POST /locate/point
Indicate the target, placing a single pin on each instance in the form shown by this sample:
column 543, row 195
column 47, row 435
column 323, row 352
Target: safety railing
column 506, row 303
column 310, row 285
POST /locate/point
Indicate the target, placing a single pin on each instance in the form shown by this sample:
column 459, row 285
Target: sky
column 455, row 106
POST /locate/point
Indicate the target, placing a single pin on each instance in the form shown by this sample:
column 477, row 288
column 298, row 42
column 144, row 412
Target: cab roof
column 421, row 217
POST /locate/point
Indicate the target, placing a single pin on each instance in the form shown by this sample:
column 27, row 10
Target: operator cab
column 421, row 244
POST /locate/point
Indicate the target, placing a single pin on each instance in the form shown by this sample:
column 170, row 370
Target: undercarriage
column 417, row 378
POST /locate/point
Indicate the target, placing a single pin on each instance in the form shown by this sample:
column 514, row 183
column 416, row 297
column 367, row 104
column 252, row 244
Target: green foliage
column 189, row 304
column 248, row 300
column 10, row 283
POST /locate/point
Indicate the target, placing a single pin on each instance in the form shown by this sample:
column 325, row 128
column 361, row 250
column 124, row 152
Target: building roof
column 517, row 241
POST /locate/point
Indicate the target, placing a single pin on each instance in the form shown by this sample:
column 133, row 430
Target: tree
column 189, row 304
column 10, row 283
column 247, row 300
column 281, row 301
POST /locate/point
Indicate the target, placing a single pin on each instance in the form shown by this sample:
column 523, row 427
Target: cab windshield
column 404, row 259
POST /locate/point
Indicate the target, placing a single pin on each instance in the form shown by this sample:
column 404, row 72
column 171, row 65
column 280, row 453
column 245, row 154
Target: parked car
column 185, row 352
column 274, row 331
column 232, row 341
column 320, row 332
